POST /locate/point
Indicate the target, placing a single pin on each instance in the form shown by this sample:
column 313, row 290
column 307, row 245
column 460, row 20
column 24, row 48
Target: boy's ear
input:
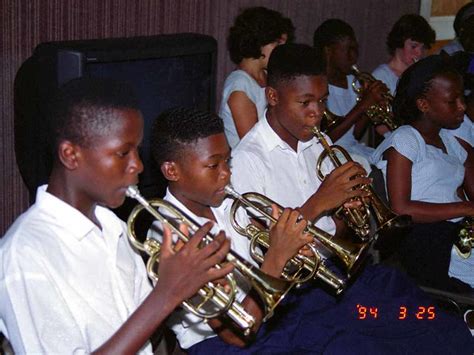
column 170, row 170
column 422, row 105
column 272, row 96
column 68, row 154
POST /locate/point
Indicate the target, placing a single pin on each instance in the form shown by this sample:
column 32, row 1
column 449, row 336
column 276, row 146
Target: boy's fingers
column 199, row 235
column 218, row 255
column 215, row 274
column 167, row 243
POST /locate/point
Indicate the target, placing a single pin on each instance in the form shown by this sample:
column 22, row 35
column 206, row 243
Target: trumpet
column 218, row 301
column 304, row 267
column 330, row 120
column 359, row 219
column 465, row 243
column 379, row 113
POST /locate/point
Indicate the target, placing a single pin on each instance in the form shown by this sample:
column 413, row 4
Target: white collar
column 272, row 139
column 66, row 216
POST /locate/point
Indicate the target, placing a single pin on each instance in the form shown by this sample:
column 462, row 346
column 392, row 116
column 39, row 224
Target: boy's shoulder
column 255, row 142
column 28, row 233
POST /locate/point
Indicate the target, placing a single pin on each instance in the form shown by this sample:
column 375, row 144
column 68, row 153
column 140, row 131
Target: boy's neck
column 60, row 187
column 282, row 132
column 197, row 208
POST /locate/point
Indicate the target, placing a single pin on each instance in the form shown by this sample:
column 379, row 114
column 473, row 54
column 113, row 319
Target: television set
column 165, row 71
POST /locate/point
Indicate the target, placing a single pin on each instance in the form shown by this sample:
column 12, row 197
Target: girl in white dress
column 429, row 173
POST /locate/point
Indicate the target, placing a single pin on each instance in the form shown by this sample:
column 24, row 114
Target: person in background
column 409, row 39
column 464, row 13
column 335, row 41
column 255, row 33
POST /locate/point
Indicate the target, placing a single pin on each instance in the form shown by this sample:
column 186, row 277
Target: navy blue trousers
column 311, row 321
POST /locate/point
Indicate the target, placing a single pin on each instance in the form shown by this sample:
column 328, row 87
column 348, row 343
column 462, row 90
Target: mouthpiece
column 133, row 192
column 229, row 190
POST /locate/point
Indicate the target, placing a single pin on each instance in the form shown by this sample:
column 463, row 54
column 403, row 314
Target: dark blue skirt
column 382, row 312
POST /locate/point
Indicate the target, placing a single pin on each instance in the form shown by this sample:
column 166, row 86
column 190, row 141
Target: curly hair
column 175, row 128
column 254, row 28
column 414, row 84
column 291, row 60
column 413, row 27
column 84, row 109
column 329, row 32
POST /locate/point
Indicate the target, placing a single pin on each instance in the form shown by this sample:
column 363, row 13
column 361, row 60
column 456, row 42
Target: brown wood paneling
column 446, row 8
column 26, row 23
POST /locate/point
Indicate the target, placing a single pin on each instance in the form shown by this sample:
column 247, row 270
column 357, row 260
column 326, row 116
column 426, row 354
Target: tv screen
column 165, row 71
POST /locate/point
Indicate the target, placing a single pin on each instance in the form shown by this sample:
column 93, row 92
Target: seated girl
column 429, row 173
column 252, row 38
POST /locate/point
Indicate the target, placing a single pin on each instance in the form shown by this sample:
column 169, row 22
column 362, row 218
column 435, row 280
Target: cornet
column 465, row 243
column 379, row 113
column 270, row 289
column 304, row 267
column 359, row 219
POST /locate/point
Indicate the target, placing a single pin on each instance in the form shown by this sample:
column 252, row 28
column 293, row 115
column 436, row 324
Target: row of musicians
column 72, row 283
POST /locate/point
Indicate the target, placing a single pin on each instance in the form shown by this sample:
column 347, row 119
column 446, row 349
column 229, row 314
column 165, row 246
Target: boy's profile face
column 107, row 167
column 343, row 54
column 298, row 106
column 202, row 172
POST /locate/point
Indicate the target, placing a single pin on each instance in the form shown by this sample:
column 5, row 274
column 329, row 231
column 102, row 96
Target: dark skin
column 294, row 108
column 340, row 56
column 197, row 178
column 87, row 176
column 442, row 107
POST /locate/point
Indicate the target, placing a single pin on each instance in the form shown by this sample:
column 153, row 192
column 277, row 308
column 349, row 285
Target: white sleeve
column 36, row 316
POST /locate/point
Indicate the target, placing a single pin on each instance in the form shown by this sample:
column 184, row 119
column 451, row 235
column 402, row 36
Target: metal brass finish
column 465, row 243
column 379, row 113
column 359, row 219
column 350, row 254
column 270, row 289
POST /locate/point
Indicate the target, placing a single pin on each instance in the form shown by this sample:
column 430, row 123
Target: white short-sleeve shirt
column 190, row 329
column 435, row 175
column 66, row 286
column 341, row 102
column 239, row 80
column 387, row 76
column 264, row 163
column 435, row 178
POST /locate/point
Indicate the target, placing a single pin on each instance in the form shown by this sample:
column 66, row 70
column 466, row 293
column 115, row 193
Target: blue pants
column 311, row 321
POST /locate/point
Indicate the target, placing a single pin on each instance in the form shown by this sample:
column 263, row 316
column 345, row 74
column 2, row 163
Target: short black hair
column 82, row 109
column 291, row 60
column 410, row 26
column 177, row 127
column 329, row 32
column 415, row 82
column 462, row 15
column 254, row 28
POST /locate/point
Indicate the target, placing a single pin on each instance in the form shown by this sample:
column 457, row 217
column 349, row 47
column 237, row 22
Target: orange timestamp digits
column 421, row 312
